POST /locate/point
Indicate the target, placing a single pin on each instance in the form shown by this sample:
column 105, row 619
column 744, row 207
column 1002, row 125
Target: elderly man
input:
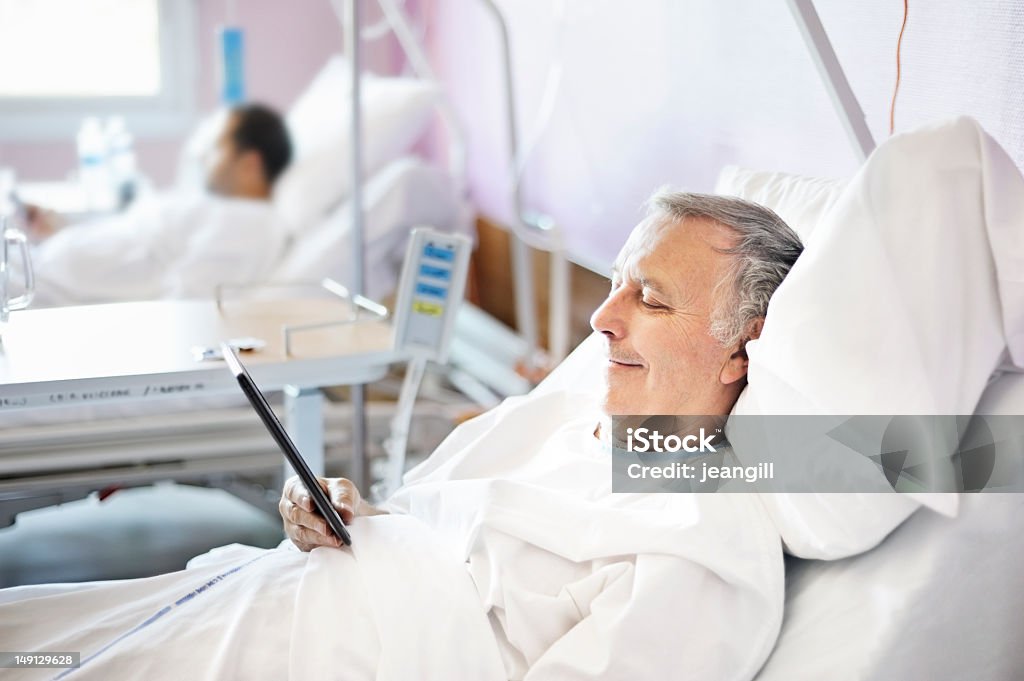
column 564, row 568
column 178, row 244
column 505, row 554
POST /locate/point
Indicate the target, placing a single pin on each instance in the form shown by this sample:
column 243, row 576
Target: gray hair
column 765, row 250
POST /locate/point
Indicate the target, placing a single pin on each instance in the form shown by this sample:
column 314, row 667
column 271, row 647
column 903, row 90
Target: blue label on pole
column 435, row 272
column 232, row 67
column 432, row 251
column 428, row 290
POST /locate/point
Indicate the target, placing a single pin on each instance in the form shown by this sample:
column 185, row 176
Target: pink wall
column 665, row 91
column 286, row 43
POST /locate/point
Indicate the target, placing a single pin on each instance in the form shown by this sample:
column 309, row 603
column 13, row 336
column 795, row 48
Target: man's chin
column 611, row 406
column 622, row 397
column 625, row 404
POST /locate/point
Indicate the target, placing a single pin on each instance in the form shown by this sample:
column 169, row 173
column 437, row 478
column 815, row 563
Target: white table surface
column 133, row 351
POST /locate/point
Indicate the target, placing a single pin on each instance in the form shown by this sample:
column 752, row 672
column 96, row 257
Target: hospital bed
column 939, row 597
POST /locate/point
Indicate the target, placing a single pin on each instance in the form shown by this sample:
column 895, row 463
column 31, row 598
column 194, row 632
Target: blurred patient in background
column 250, row 153
column 178, row 244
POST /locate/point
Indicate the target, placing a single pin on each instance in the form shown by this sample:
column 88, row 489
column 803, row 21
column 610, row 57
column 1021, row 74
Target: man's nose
column 610, row 318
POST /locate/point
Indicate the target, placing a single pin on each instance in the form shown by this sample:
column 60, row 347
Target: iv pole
column 539, row 232
column 839, row 90
column 360, row 474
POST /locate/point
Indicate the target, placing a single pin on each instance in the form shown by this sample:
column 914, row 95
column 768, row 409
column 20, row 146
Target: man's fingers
column 297, row 516
column 344, row 497
column 290, row 496
column 290, row 488
column 306, row 528
column 296, row 493
column 306, row 539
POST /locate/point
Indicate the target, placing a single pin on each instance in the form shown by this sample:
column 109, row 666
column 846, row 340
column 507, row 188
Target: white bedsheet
column 939, row 599
column 541, row 574
column 167, row 246
column 389, row 609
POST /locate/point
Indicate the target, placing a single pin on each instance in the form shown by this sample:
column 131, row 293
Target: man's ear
column 735, row 368
column 252, row 161
column 253, row 175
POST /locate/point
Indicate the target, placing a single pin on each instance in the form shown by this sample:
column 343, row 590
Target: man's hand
column 41, row 223
column 305, row 526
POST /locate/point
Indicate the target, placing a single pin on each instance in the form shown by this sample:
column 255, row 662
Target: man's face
column 661, row 358
column 222, row 161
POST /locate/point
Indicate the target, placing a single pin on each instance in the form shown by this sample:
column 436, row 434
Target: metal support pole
column 304, row 419
column 398, row 443
column 522, row 266
column 358, row 393
column 559, row 306
column 360, row 473
column 526, row 309
column 417, row 58
column 843, row 99
column 356, row 159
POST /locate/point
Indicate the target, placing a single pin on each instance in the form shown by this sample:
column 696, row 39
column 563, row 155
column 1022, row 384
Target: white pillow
column 904, row 303
column 406, row 193
column 915, row 258
column 190, row 173
column 395, row 112
column 800, row 201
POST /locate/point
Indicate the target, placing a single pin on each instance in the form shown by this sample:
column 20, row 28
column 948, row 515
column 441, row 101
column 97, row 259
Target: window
column 67, row 59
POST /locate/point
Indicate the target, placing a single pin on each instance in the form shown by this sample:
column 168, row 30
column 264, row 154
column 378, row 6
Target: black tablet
column 291, row 452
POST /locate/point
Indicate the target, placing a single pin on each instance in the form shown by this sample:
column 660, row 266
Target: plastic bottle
column 92, row 165
column 121, row 166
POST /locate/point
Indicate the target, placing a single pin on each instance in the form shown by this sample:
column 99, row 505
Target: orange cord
column 896, row 88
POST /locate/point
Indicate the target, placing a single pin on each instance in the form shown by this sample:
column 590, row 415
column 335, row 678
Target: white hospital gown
column 506, row 556
column 167, row 246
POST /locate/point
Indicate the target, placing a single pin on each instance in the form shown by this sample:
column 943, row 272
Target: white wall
column 668, row 91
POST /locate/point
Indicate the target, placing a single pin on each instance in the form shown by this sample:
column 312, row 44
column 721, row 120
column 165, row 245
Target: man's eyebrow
column 652, row 284
column 644, row 281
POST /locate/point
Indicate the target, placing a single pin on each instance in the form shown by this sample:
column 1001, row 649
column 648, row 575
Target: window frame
column 167, row 114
